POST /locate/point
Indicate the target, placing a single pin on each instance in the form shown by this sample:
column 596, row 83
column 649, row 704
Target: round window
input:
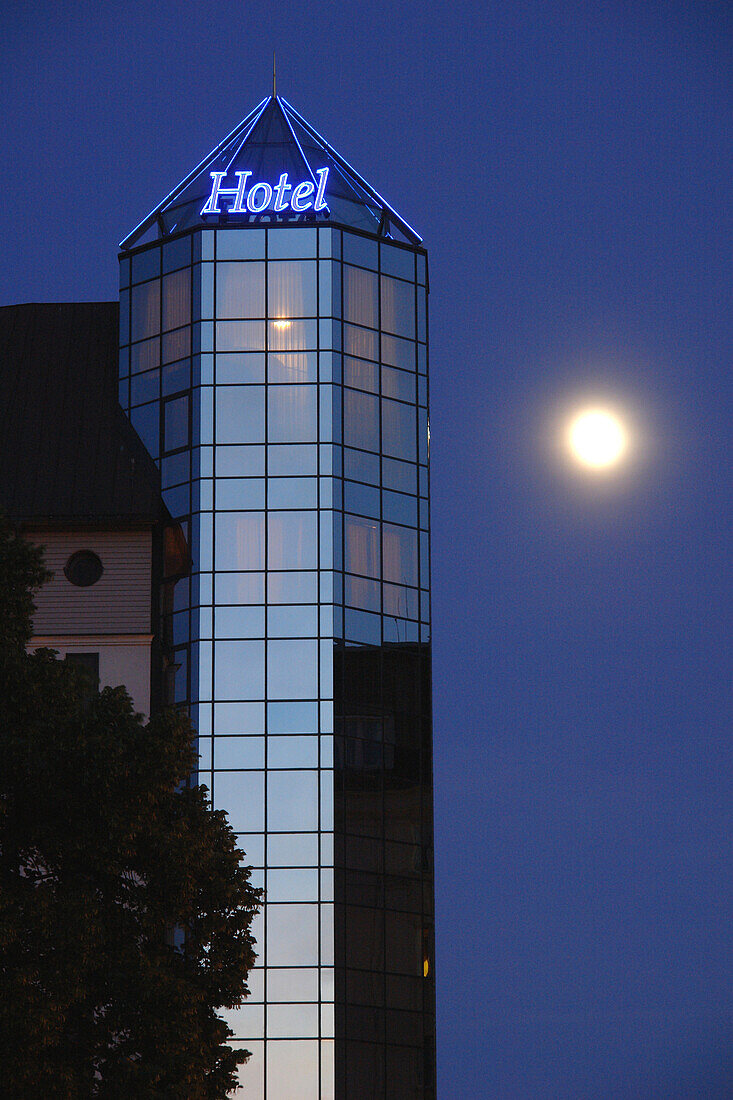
column 83, row 568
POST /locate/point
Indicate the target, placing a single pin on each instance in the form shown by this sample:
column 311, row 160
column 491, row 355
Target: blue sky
column 569, row 168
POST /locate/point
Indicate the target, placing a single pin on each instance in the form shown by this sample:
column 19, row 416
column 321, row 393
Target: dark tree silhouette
column 125, row 909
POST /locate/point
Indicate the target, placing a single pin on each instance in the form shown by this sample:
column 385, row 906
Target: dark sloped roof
column 271, row 139
column 67, row 451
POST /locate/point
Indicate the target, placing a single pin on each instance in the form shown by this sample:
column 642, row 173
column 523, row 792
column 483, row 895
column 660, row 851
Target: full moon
column 597, row 439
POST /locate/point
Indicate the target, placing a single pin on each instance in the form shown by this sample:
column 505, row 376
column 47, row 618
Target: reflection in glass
column 292, row 984
column 292, row 884
column 292, row 935
column 298, row 1020
column 292, row 1069
column 292, row 669
column 241, row 794
column 292, row 850
column 292, row 800
column 240, row 414
column 239, row 669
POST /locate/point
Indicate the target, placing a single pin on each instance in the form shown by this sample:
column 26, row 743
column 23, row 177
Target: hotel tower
column 273, row 359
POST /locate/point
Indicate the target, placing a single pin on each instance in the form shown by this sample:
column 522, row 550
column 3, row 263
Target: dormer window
column 83, row 568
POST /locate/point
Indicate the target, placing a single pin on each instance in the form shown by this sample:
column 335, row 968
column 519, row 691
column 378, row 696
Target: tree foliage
column 125, row 909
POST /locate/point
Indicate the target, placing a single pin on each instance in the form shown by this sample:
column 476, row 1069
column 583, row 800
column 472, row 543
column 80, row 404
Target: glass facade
column 278, row 375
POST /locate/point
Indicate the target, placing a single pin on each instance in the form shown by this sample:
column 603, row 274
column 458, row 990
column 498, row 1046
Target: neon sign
column 261, row 196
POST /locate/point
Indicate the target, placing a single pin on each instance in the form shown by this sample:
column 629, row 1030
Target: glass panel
column 292, row 492
column 242, row 367
column 239, row 752
column 239, row 672
column 292, row 850
column 360, row 250
column 398, row 430
column 361, row 341
column 361, row 303
column 239, row 622
column 292, row 751
column 361, row 498
column 292, row 802
column 292, row 940
column 292, row 335
column 146, row 355
column 292, row 717
column 361, row 592
column 298, row 621
column 175, row 423
column 400, row 601
column 299, row 459
column 238, row 718
column 399, row 384
column 145, row 264
column 240, row 335
column 238, row 493
column 294, row 242
column 242, row 588
column 242, row 795
column 246, row 244
column 292, row 540
column 361, row 374
column 292, row 587
column 176, row 253
column 240, row 414
column 292, row 669
column 240, row 461
column 176, row 376
column 291, row 288
column 361, row 467
column 398, row 306
column 240, row 540
column 400, row 554
column 292, row 414
column 177, row 299
column 292, row 367
column 296, row 984
column 397, row 261
column 145, row 387
column 292, row 1020
column 399, row 508
column 240, row 290
column 145, row 310
column 361, row 420
column 361, row 546
column 176, row 344
column 399, row 475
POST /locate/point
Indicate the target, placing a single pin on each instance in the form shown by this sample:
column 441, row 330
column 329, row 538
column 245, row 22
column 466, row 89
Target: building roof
column 269, row 141
column 67, row 451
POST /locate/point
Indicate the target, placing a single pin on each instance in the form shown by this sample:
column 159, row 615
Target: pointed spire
column 274, row 89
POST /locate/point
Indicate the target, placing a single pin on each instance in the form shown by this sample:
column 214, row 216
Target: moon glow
column 597, row 439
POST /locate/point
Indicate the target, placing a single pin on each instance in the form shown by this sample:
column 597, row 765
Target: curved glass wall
column 279, row 378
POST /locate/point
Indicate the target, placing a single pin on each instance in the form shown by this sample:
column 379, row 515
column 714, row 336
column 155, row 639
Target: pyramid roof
column 273, row 141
